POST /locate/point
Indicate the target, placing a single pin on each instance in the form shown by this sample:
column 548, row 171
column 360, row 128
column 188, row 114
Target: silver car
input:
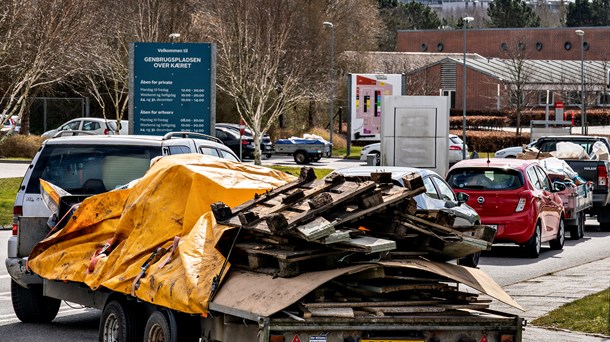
column 455, row 151
column 91, row 125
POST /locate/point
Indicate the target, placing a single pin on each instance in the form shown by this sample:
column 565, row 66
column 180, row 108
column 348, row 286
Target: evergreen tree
column 401, row 16
column 511, row 14
column 580, row 13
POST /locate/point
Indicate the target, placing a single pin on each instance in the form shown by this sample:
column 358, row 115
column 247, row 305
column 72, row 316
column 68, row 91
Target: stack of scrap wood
column 312, row 225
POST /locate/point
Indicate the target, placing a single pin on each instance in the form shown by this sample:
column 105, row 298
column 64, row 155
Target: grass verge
column 8, row 191
column 590, row 314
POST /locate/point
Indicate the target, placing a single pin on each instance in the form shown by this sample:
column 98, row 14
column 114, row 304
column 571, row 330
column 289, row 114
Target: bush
column 20, row 146
column 491, row 141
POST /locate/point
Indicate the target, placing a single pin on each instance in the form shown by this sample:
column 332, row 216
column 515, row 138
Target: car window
column 70, row 126
column 222, row 135
column 229, row 156
column 544, row 179
column 471, row 179
column 430, row 189
column 178, row 149
column 208, row 151
column 91, row 126
column 445, row 191
column 86, row 169
column 456, row 140
column 533, row 178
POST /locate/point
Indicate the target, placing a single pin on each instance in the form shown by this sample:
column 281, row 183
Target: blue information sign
column 173, row 88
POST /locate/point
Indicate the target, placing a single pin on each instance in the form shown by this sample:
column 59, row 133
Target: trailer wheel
column 301, row 157
column 577, row 231
column 31, row 306
column 119, row 323
column 157, row 328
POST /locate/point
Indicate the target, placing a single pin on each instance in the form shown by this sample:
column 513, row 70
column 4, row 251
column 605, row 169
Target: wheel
column 557, row 244
column 301, row 157
column 119, row 323
column 534, row 245
column 31, row 306
column 471, row 260
column 577, row 231
column 268, row 155
column 377, row 159
column 581, row 224
column 157, row 328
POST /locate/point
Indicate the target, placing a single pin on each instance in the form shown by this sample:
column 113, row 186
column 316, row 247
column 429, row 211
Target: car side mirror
column 558, row 186
column 462, row 197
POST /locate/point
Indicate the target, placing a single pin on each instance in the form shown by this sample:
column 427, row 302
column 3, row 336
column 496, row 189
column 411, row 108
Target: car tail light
column 525, row 198
column 245, row 142
column 455, row 148
column 106, row 131
column 602, row 175
column 17, row 211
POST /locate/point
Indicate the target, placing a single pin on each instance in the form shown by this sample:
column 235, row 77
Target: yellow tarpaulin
column 111, row 235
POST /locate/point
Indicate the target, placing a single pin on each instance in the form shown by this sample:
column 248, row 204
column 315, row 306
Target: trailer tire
column 119, row 323
column 31, row 306
column 577, row 231
column 158, row 328
column 301, row 157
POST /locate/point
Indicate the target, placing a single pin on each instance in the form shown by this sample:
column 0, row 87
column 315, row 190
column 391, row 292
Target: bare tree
column 47, row 36
column 521, row 91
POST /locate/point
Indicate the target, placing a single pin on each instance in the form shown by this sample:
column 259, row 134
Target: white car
column 92, row 125
column 454, row 156
column 511, row 152
column 11, row 126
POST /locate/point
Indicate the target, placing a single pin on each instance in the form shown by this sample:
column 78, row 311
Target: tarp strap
column 154, row 257
column 172, row 250
column 216, row 280
column 100, row 253
column 68, row 213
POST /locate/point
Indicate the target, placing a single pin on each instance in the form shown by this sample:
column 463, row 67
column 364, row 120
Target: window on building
column 573, row 98
column 603, row 100
column 542, row 100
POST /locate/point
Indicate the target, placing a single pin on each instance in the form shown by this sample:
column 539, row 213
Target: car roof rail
column 170, row 135
column 72, row 133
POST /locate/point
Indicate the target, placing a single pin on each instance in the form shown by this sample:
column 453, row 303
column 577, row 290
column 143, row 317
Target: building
column 536, row 43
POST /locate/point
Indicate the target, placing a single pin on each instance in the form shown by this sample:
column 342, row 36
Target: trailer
column 304, row 150
column 301, row 260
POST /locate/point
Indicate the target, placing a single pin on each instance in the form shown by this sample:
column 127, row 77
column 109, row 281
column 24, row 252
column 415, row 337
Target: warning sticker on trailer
column 296, row 338
column 321, row 338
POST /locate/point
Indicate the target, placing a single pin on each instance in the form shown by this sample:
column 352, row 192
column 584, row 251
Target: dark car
column 438, row 195
column 266, row 144
column 233, row 141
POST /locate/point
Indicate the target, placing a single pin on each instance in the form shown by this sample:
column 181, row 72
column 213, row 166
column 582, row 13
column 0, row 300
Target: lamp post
column 583, row 113
column 332, row 87
column 465, row 21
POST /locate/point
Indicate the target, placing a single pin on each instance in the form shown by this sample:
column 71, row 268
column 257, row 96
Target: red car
column 517, row 197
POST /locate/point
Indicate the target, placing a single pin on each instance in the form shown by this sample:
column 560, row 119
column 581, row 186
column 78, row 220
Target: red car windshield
column 485, row 179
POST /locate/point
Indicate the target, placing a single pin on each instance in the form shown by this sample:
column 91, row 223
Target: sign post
column 559, row 111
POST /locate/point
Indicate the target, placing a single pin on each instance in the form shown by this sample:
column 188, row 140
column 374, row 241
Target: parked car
column 511, row 152
column 266, row 144
column 91, row 125
column 232, row 140
column 517, row 197
column 438, row 196
column 454, row 156
column 11, row 125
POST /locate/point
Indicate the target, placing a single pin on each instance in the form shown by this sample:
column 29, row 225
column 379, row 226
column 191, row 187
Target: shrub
column 20, row 146
column 491, row 141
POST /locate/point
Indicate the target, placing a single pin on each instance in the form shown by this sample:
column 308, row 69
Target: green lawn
column 8, row 190
column 590, row 314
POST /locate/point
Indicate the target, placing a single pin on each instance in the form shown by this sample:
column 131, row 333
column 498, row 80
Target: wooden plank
column 371, row 304
column 332, row 312
column 336, row 237
column 387, row 288
column 406, row 309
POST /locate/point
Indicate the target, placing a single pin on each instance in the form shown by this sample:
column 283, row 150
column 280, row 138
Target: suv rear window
column 87, row 169
column 485, row 179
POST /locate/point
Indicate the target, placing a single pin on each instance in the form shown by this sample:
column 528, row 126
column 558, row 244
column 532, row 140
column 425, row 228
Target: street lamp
column 465, row 22
column 583, row 113
column 332, row 87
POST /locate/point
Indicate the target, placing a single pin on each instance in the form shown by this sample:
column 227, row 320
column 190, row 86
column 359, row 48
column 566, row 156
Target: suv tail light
column 455, row 147
column 106, row 131
column 602, row 175
column 245, row 142
column 17, row 211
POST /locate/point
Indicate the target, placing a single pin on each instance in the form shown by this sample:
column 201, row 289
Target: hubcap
column 111, row 328
column 156, row 334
